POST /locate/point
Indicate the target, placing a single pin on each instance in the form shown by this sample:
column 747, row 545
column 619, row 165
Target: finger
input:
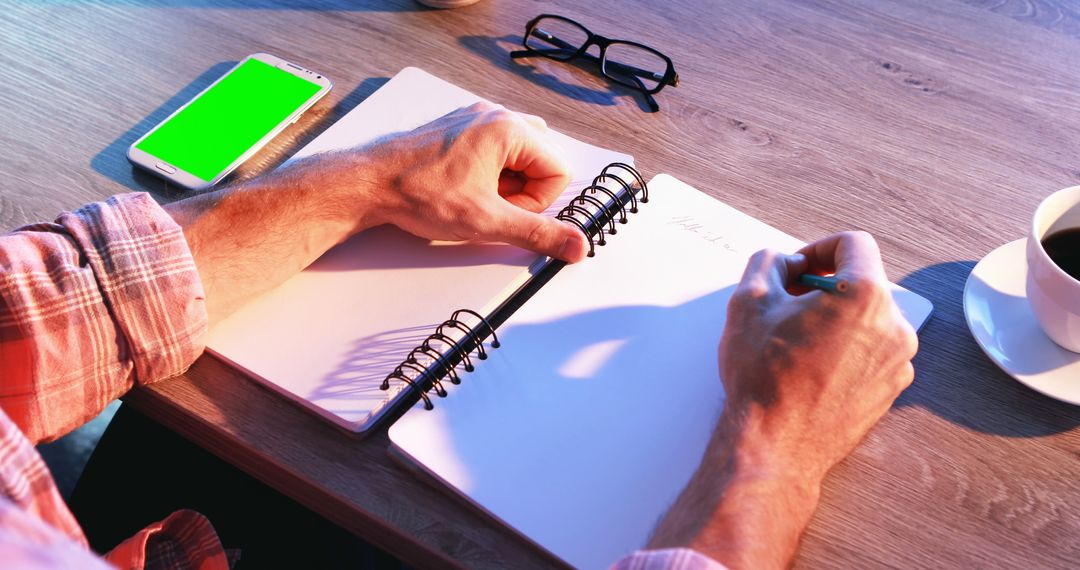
column 473, row 109
column 543, row 164
column 508, row 223
column 899, row 378
column 909, row 338
column 537, row 122
column 769, row 273
column 512, row 189
column 525, row 201
column 510, row 182
column 795, row 265
column 848, row 255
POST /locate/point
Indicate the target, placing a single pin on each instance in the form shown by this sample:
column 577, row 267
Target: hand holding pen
column 853, row 348
column 806, row 373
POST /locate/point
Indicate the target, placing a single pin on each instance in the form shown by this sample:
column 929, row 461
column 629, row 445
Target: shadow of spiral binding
column 591, row 214
column 441, row 354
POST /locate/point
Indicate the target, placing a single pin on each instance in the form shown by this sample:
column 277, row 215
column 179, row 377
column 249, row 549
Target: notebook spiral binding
column 442, row 353
column 596, row 212
column 440, row 349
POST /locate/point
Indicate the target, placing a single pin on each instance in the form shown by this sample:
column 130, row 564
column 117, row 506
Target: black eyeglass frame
column 670, row 77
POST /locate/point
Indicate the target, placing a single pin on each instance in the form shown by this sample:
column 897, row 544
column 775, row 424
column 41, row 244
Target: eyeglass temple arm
column 638, row 72
column 649, row 99
column 547, row 37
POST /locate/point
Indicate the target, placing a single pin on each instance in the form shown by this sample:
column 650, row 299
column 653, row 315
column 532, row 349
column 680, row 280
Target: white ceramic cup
column 1053, row 294
column 447, row 3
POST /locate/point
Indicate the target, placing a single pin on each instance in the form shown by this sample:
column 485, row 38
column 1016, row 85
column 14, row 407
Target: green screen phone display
column 214, row 130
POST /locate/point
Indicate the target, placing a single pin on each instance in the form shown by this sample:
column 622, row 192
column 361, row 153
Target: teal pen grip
column 830, row 284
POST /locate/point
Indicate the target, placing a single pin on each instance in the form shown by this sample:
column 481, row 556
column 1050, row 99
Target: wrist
column 759, row 458
column 760, row 500
column 337, row 190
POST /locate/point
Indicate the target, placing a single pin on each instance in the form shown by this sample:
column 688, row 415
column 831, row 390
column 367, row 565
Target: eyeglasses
column 627, row 63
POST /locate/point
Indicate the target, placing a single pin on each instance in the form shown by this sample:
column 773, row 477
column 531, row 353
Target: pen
column 830, row 284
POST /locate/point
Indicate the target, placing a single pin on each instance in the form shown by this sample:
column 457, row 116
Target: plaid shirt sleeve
column 667, row 559
column 103, row 298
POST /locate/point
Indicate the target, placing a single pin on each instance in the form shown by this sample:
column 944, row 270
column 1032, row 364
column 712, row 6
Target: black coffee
column 1064, row 248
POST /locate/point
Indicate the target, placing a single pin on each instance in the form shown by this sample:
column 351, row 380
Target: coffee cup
column 447, row 3
column 1053, row 267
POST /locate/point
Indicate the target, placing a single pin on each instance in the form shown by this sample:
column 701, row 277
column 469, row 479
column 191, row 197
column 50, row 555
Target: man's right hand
column 812, row 371
column 807, row 374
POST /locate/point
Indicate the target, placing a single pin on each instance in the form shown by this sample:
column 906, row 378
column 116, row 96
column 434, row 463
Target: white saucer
column 1001, row 321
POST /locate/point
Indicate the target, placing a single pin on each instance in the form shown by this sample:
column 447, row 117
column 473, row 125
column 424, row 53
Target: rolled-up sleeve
column 103, row 298
column 667, row 559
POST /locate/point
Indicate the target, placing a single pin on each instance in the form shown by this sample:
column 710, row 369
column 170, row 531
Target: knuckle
column 869, row 290
column 500, row 113
column 909, row 339
column 768, row 255
column 536, row 231
column 752, row 290
column 859, row 236
column 759, row 258
column 483, row 106
column 906, row 376
column 535, row 120
column 505, row 122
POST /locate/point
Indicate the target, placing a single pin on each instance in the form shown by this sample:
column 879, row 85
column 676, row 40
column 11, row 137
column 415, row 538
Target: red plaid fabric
column 667, row 559
column 103, row 298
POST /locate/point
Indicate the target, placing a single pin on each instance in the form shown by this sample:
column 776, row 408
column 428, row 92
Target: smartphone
column 229, row 121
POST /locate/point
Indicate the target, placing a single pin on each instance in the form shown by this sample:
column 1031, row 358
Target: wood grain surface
column 937, row 125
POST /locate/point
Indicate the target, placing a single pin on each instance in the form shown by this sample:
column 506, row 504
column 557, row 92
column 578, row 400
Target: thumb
column 537, row 232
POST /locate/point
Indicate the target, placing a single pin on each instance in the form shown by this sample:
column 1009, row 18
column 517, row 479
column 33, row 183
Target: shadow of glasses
column 550, row 75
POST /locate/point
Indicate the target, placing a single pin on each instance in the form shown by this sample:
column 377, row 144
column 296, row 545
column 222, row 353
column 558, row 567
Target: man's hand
column 807, row 374
column 812, row 373
column 477, row 173
column 480, row 173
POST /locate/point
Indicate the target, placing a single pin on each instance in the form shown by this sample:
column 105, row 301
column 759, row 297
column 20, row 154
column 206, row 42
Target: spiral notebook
column 328, row 338
column 570, row 402
column 583, row 427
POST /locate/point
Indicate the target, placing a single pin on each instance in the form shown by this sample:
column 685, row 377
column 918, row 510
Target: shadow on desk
column 959, row 383
column 112, row 161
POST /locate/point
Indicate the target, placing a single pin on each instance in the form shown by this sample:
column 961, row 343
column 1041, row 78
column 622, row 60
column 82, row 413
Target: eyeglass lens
column 634, row 66
column 556, row 38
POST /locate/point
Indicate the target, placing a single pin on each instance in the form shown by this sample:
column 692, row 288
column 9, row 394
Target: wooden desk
column 936, row 125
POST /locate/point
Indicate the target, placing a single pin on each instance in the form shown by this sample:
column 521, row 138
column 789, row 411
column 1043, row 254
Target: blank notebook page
column 327, row 337
column 583, row 429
